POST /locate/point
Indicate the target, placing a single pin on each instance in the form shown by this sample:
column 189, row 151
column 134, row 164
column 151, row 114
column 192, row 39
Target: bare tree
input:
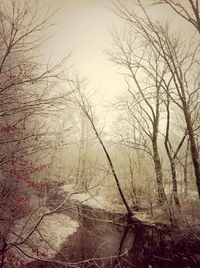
column 28, row 136
column 188, row 10
column 145, row 73
column 183, row 67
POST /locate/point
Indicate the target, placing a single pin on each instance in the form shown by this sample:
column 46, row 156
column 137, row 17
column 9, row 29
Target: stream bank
column 103, row 239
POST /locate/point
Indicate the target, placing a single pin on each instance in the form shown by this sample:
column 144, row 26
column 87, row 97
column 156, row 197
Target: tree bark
column 162, row 199
column 193, row 147
column 174, row 183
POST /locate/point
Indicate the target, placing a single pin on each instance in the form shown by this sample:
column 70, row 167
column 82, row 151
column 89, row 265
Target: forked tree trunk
column 172, row 157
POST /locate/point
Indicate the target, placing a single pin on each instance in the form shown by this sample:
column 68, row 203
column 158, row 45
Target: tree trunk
column 170, row 157
column 174, row 183
column 193, row 148
column 162, row 199
column 185, row 172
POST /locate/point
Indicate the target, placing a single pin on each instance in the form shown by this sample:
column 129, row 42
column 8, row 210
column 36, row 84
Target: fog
column 99, row 133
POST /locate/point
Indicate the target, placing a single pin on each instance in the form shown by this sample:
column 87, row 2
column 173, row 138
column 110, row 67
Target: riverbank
column 87, row 230
column 98, row 201
column 36, row 240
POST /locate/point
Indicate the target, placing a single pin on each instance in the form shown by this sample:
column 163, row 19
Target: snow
column 69, row 188
column 94, row 200
column 48, row 237
column 99, row 201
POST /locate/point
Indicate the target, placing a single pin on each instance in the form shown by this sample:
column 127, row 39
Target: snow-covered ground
column 98, row 201
column 94, row 200
column 46, row 239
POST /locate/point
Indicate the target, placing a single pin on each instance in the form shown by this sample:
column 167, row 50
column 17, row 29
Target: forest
column 87, row 181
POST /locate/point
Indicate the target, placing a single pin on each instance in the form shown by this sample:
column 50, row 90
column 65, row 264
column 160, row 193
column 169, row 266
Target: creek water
column 105, row 240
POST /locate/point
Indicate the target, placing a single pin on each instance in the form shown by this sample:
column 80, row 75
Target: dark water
column 105, row 240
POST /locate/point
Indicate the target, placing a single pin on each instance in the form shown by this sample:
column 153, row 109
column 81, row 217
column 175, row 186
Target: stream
column 104, row 239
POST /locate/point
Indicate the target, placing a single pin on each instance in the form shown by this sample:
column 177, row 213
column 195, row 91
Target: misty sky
column 83, row 27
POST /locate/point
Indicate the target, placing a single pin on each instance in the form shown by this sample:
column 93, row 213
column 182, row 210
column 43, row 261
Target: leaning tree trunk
column 84, row 107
